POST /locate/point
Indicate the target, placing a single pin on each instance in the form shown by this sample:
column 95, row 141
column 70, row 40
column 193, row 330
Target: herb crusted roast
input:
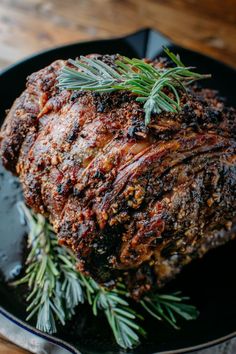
column 131, row 200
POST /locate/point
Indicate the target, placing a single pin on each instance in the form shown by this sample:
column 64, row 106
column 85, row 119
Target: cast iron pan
column 210, row 282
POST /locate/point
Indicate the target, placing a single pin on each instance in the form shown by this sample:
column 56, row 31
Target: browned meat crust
column 131, row 201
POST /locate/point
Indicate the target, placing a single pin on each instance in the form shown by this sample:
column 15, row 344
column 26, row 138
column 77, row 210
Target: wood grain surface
column 8, row 348
column 28, row 26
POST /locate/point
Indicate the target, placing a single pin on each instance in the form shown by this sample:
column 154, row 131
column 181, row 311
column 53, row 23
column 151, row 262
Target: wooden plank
column 27, row 26
column 7, row 347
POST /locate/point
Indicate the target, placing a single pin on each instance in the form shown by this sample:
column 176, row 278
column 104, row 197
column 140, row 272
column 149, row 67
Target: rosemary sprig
column 157, row 88
column 167, row 306
column 56, row 288
column 120, row 316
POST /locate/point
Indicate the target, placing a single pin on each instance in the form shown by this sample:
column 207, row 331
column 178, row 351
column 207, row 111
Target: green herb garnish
column 56, row 288
column 157, row 88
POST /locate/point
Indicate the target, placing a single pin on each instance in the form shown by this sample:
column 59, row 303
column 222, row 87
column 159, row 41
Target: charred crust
column 104, row 102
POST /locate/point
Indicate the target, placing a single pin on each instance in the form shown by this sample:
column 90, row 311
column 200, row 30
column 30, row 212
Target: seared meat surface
column 132, row 201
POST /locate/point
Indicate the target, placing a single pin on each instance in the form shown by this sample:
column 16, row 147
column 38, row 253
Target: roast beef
column 132, row 201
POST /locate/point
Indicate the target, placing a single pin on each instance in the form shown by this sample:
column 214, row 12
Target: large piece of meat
column 132, row 201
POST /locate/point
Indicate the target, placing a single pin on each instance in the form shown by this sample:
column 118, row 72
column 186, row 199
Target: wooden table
column 27, row 26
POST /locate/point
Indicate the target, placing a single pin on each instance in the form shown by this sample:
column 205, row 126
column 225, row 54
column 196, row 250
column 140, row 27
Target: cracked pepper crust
column 129, row 200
